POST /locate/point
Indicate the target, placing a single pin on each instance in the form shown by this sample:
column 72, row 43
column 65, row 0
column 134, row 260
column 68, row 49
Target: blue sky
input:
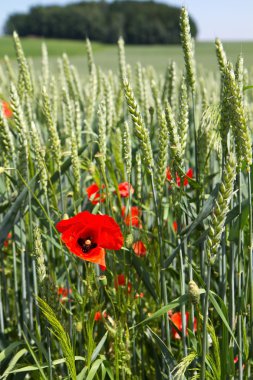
column 226, row 19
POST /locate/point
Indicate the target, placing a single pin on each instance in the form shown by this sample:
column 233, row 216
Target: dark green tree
column 144, row 22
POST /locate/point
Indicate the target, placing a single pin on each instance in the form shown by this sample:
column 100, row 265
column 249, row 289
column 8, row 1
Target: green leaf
column 66, row 165
column 13, row 362
column 9, row 350
column 177, row 302
column 9, row 218
column 108, row 369
column 234, row 230
column 94, row 369
column 167, row 354
column 34, row 357
column 221, row 313
column 31, row 368
column 205, row 211
column 82, row 374
column 99, row 347
column 144, row 275
column 247, row 88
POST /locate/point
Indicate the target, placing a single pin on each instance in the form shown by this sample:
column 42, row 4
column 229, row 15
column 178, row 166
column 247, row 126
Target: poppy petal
column 110, row 236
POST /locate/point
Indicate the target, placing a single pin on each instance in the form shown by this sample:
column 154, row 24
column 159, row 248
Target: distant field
column 106, row 55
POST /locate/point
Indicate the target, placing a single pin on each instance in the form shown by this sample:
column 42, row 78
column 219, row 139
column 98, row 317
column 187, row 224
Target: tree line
column 144, row 22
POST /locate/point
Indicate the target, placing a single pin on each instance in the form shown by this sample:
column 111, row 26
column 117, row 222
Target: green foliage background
column 138, row 22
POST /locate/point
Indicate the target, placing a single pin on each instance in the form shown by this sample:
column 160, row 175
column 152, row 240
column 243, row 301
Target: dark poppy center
column 86, row 244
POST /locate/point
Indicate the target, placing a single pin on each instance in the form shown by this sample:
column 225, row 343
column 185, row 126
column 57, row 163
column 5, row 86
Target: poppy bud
column 65, row 217
column 129, row 240
column 103, row 280
column 79, row 326
column 193, row 292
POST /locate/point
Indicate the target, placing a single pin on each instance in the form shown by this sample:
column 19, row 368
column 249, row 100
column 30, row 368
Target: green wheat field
column 126, row 210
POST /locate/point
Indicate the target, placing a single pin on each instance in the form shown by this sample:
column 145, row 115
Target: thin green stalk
column 3, row 285
column 50, row 229
column 182, row 283
column 61, row 191
column 196, row 150
column 30, row 234
column 223, row 268
column 223, row 261
column 1, row 312
column 23, row 280
column 182, row 290
column 250, row 261
column 232, row 275
column 162, row 273
column 240, row 274
column 205, row 321
column 16, row 297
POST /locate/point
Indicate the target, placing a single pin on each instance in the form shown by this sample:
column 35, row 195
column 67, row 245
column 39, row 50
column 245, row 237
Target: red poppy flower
column 175, row 225
column 132, row 217
column 7, row 111
column 120, row 280
column 99, row 316
column 125, row 188
column 95, row 194
column 7, row 241
column 139, row 248
column 87, row 236
column 64, row 293
column 189, row 174
column 176, row 319
column 137, row 295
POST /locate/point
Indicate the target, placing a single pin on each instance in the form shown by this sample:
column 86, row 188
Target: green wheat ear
column 102, row 134
column 237, row 118
column 175, row 149
column 188, row 49
column 127, row 148
column 221, row 55
column 162, row 155
column 39, row 256
column 122, row 59
column 221, row 208
column 55, row 144
column 25, row 80
column 183, row 117
column 141, row 131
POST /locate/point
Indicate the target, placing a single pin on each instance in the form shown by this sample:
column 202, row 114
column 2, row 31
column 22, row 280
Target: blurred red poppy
column 125, row 188
column 175, row 225
column 139, row 248
column 189, row 174
column 7, row 241
column 99, row 316
column 87, row 236
column 176, row 319
column 7, row 111
column 95, row 194
column 64, row 293
column 133, row 217
column 137, row 295
column 120, row 280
